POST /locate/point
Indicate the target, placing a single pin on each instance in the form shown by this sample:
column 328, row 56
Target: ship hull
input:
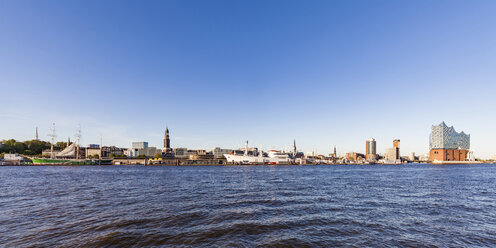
column 45, row 161
column 242, row 159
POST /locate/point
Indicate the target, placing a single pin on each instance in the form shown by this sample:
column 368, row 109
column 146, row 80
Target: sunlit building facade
column 370, row 149
column 448, row 145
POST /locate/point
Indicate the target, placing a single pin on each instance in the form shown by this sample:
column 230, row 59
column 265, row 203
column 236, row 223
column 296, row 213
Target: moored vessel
column 69, row 155
column 254, row 156
column 48, row 161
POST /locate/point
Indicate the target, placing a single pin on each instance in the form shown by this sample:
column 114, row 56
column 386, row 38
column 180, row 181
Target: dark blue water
column 303, row 206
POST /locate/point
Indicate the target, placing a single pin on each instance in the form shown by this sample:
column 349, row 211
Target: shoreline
column 271, row 165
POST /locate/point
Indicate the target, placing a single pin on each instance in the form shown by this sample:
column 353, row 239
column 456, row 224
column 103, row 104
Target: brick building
column 448, row 145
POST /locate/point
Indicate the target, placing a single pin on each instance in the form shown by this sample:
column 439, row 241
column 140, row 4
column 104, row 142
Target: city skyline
column 167, row 144
column 219, row 73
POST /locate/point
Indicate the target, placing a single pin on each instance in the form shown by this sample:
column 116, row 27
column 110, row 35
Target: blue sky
column 221, row 72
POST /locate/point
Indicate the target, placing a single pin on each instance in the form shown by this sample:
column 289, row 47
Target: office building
column 140, row 145
column 392, row 155
column 141, row 148
column 219, row 152
column 370, row 149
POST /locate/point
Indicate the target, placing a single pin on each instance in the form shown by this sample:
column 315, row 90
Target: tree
column 158, row 155
column 30, row 147
column 12, row 146
column 36, row 147
column 141, row 156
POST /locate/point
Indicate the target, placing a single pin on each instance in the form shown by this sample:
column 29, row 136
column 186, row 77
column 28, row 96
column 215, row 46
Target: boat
column 49, row 161
column 69, row 156
column 254, row 156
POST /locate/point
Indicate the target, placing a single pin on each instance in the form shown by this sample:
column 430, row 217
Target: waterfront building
column 201, row 154
column 92, row 151
column 370, row 149
column 392, row 155
column 140, row 145
column 424, row 157
column 141, row 148
column 185, row 153
column 354, row 156
column 107, row 151
column 182, row 152
column 219, row 152
column 470, row 156
column 411, row 157
column 396, row 145
column 12, row 157
column 445, row 144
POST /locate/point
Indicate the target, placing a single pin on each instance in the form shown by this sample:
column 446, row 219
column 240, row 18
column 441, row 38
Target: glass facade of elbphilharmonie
column 444, row 137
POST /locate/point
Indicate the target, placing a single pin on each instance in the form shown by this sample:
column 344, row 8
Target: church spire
column 166, row 139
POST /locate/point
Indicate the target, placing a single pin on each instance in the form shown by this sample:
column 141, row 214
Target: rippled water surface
column 247, row 206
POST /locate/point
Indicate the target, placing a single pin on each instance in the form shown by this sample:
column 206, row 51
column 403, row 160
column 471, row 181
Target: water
column 247, row 206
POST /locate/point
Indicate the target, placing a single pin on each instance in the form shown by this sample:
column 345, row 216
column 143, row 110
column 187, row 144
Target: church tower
column 166, row 139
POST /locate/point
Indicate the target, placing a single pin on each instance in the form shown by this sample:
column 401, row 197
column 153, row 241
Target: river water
column 247, row 206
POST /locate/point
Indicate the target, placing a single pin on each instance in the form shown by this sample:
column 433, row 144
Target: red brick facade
column 448, row 154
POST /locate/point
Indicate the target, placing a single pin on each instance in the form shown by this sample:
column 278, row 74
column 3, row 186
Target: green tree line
column 29, row 147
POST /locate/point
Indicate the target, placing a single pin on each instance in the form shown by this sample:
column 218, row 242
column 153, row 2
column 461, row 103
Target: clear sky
column 221, row 72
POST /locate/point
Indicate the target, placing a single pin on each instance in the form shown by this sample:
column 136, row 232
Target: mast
column 52, row 155
column 78, row 139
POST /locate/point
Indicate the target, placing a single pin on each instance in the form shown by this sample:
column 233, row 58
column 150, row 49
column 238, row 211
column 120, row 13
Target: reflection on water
column 407, row 205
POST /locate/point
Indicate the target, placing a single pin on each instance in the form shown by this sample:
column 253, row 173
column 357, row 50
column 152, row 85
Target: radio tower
column 52, row 155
